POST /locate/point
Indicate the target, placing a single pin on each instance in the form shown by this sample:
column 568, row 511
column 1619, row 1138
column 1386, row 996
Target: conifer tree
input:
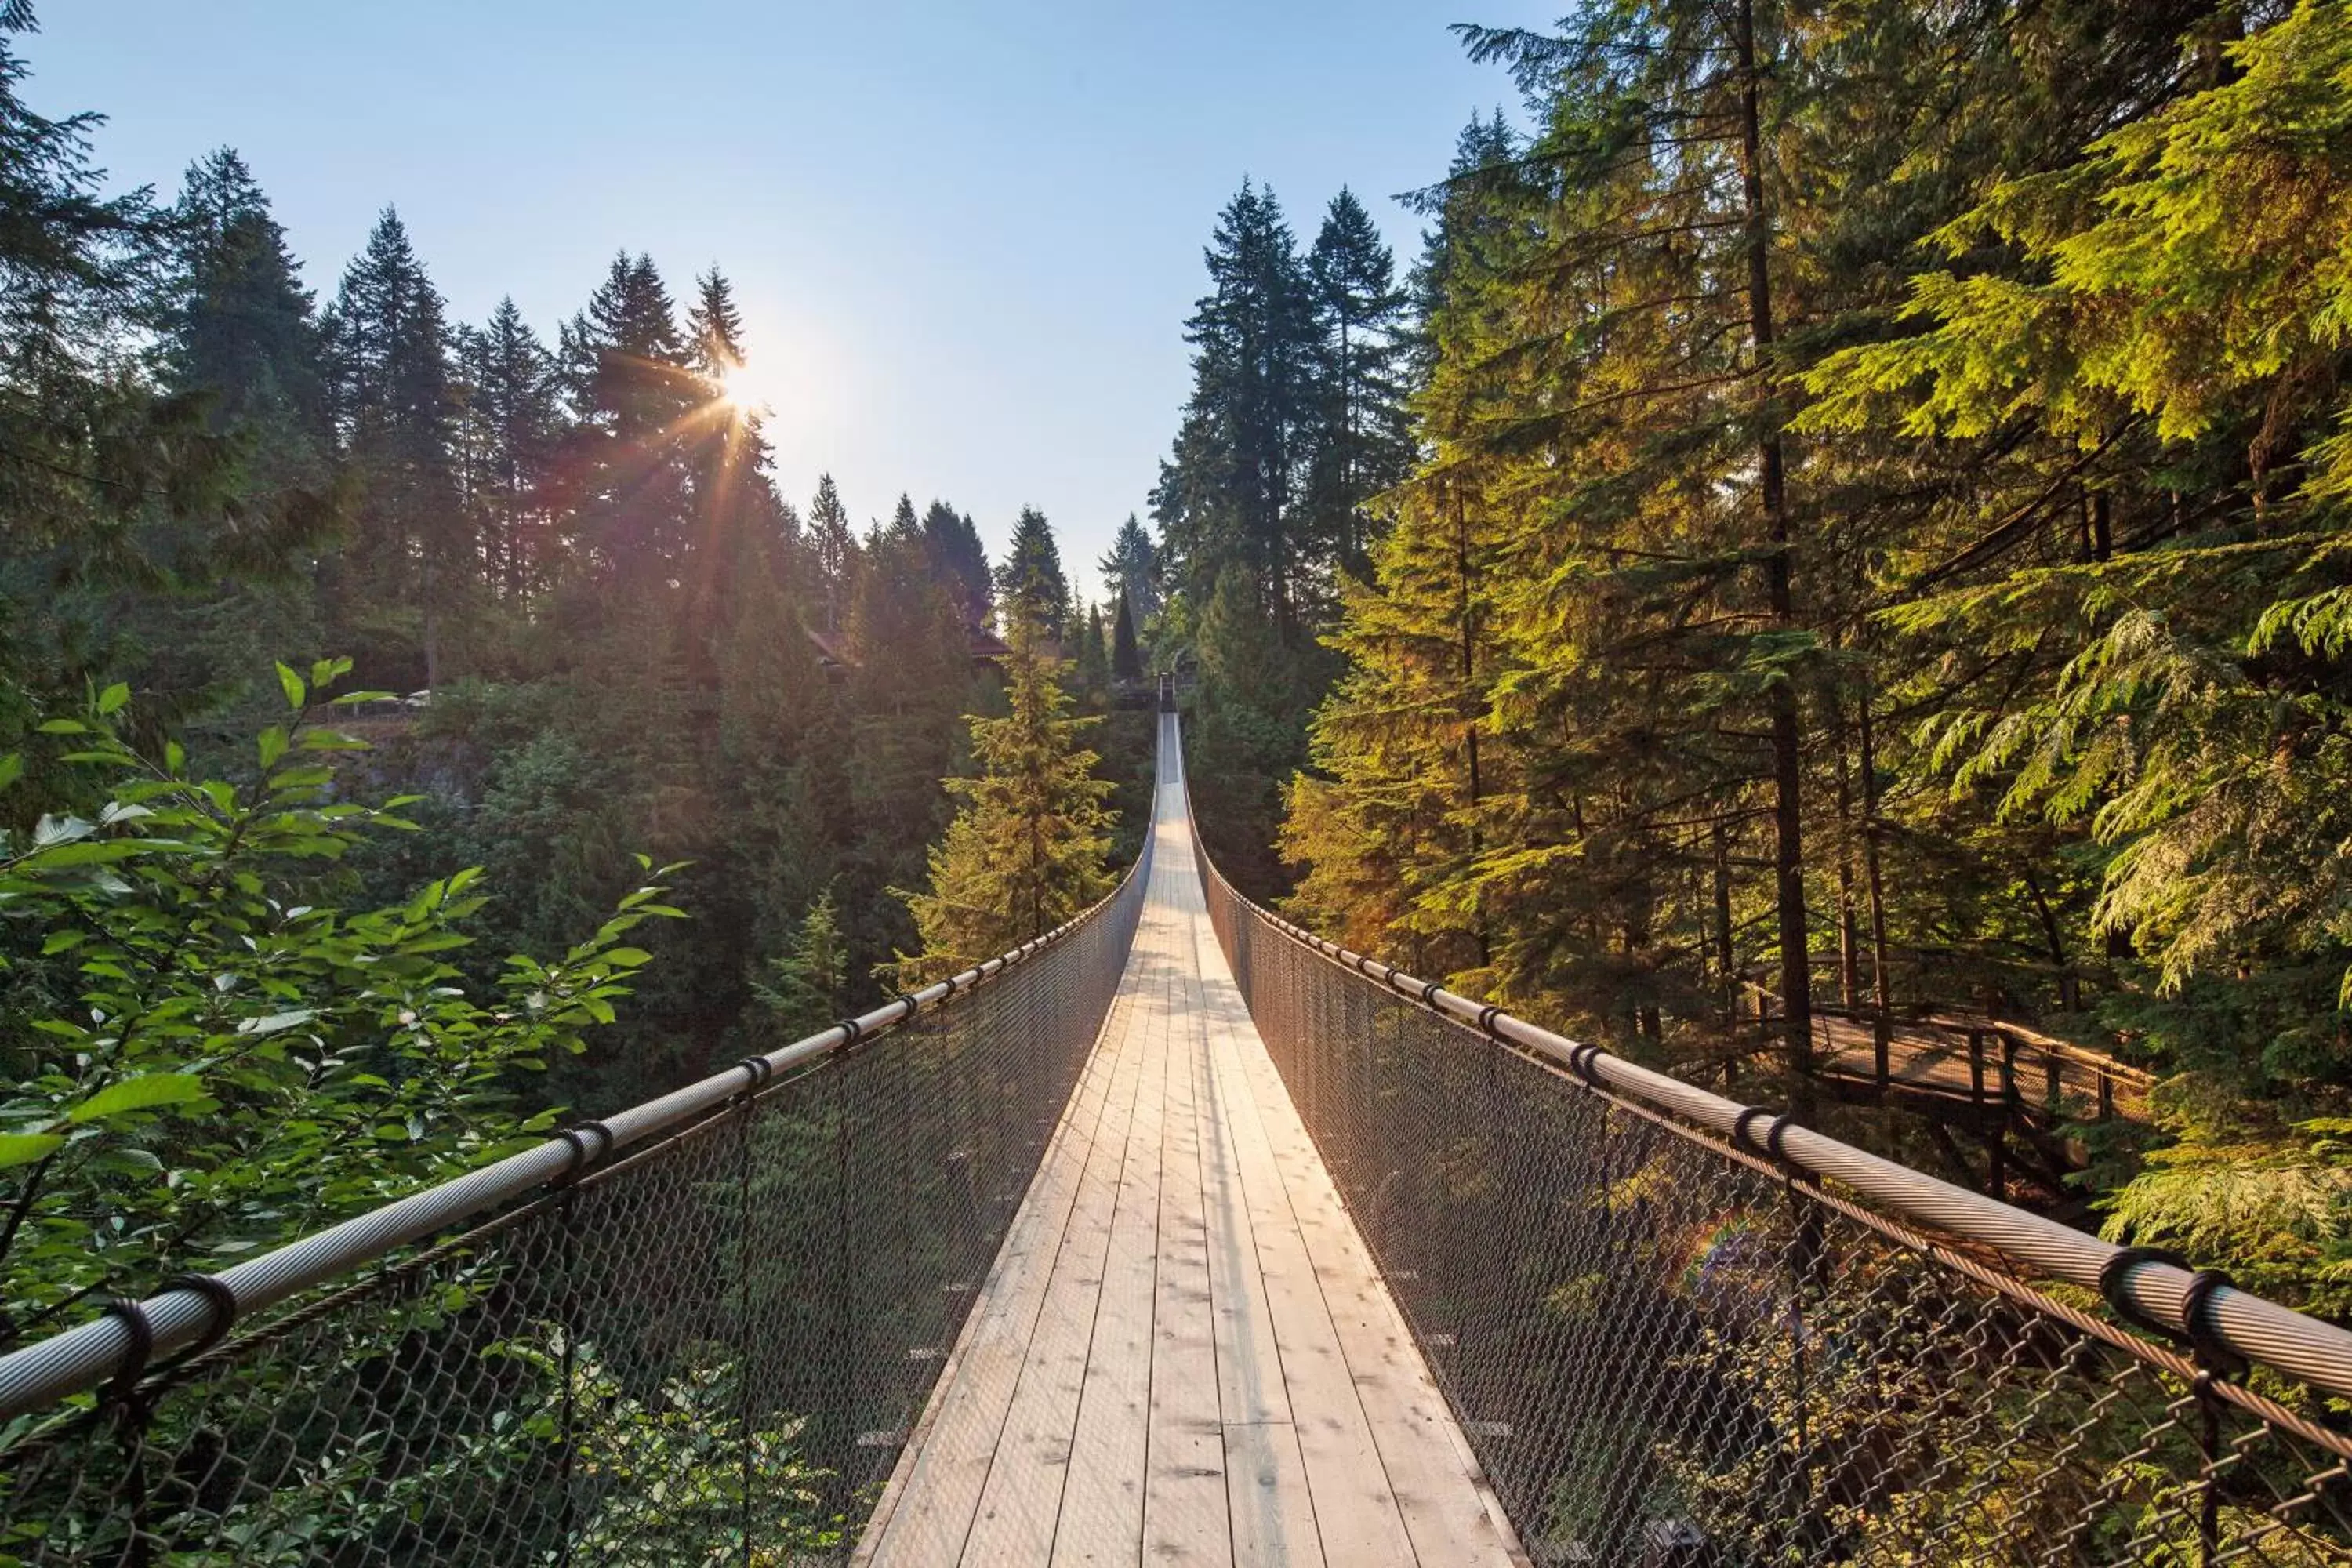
column 835, row 550
column 390, row 395
column 1130, row 571
column 1358, row 443
column 510, row 424
column 1026, row 849
column 1090, row 667
column 239, row 325
column 1126, row 658
column 1229, row 493
column 1031, row 582
column 627, row 473
column 958, row 560
column 808, row 987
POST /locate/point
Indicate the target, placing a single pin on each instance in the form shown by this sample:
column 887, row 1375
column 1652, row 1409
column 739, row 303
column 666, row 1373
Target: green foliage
column 1026, row 850
column 808, row 987
column 1031, row 582
column 210, row 1054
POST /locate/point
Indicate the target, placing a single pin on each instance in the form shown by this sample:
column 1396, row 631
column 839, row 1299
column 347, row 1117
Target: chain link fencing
column 701, row 1339
column 1671, row 1347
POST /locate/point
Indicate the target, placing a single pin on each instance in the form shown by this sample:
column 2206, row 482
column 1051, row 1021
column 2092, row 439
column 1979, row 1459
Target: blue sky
column 965, row 235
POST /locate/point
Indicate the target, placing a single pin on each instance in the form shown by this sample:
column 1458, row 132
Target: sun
column 743, row 389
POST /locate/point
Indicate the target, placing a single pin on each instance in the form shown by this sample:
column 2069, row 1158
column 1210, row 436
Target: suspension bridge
column 1180, row 1235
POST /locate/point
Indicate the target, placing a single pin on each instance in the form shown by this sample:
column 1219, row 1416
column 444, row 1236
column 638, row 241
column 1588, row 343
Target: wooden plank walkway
column 1183, row 1354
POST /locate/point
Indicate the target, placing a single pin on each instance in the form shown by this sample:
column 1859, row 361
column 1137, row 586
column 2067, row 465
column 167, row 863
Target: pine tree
column 1130, row 572
column 1031, row 582
column 627, row 470
column 1229, row 493
column 1026, row 849
column 1358, row 443
column 510, row 424
column 1126, row 659
column 835, row 550
column 394, row 411
column 958, row 560
column 808, row 987
column 1090, row 666
column 239, row 325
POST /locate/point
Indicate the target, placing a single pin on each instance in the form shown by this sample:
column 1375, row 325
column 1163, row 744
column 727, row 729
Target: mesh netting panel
column 710, row 1351
column 1664, row 1351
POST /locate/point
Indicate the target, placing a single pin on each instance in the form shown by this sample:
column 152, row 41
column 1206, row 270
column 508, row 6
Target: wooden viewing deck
column 1183, row 1352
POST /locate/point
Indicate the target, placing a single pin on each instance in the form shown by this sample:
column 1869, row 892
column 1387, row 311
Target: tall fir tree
column 1026, row 849
column 1358, row 442
column 1230, row 493
column 1126, row 657
column 626, row 471
column 1031, row 582
column 958, row 560
column 834, row 551
column 1130, row 571
column 393, row 408
column 510, row 424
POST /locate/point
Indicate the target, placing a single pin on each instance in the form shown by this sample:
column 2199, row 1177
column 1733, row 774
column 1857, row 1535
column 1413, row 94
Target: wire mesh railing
column 1677, row 1330
column 697, row 1332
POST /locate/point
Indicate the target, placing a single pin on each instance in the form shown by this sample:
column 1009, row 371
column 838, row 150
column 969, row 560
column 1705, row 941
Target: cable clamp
column 577, row 1136
column 1429, row 990
column 852, row 1031
column 2215, row 1355
column 913, row 1006
column 124, row 1384
column 1770, row 1147
column 223, row 1298
column 1486, row 1017
column 2115, row 1274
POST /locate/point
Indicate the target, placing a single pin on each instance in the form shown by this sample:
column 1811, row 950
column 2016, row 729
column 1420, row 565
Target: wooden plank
column 1184, row 1517
column 1184, row 1352
column 1356, row 1521
column 1425, row 1465
column 1267, row 1501
column 1101, row 1519
column 1019, row 1506
column 928, row 1506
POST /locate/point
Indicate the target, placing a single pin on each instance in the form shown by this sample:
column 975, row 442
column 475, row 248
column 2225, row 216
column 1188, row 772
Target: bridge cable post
column 1803, row 1254
column 131, row 1411
column 2211, row 1352
column 568, row 1310
column 744, row 1381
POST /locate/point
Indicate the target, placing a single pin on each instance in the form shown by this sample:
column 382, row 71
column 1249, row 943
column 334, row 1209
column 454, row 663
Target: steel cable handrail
column 87, row 1356
column 2319, row 1354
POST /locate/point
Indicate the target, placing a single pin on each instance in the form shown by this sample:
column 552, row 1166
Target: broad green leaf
column 291, row 684
column 11, row 768
column 272, row 745
column 272, row 1023
column 114, row 698
column 24, row 1148
column 145, row 1093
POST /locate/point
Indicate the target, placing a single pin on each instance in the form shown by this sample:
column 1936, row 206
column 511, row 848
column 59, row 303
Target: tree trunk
column 1881, row 982
column 1787, row 740
column 1723, row 922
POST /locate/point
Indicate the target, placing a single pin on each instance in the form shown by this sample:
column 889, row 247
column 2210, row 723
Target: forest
column 413, row 731
column 1844, row 507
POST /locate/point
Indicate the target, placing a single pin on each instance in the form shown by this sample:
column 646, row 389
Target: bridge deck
column 1183, row 1354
